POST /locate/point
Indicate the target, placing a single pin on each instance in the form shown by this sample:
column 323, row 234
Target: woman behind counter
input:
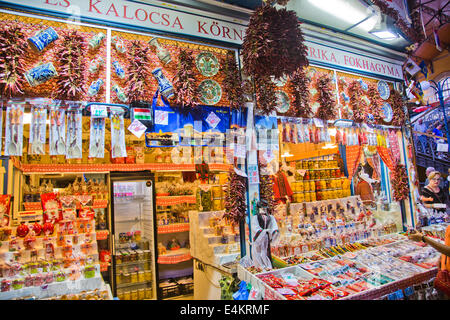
column 432, row 195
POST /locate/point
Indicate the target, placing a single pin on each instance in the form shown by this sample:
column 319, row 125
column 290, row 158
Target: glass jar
column 312, row 186
column 307, row 196
column 301, row 197
column 134, row 295
column 134, row 277
column 141, row 294
column 141, row 276
column 313, row 197
column 121, row 294
column 300, row 186
column 148, row 293
column 127, row 295
column 126, row 278
column 148, row 275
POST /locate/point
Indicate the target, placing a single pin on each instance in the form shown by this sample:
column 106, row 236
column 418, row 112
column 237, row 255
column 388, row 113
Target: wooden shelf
column 107, row 167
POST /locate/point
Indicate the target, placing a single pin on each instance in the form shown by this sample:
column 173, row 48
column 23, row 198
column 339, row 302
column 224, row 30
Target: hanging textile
column 352, row 159
column 281, row 187
column 374, row 162
column 385, row 155
column 393, row 146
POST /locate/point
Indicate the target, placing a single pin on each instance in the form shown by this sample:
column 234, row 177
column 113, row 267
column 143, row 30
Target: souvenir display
column 95, row 86
column 317, row 188
column 74, row 134
column 40, row 74
column 210, row 92
column 38, row 130
column 117, row 134
column 96, row 40
column 282, row 102
column 43, row 38
column 164, row 85
column 207, row 64
column 383, row 90
column 119, row 44
column 97, row 137
column 14, row 130
column 57, row 131
column 118, row 69
column 96, row 64
column 162, row 54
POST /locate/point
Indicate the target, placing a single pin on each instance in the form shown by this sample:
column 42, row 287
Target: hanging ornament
column 13, row 43
column 185, row 82
column 138, row 71
column 356, row 102
column 327, row 108
column 265, row 95
column 235, row 198
column 232, row 84
column 398, row 113
column 399, row 183
column 300, row 105
column 273, row 43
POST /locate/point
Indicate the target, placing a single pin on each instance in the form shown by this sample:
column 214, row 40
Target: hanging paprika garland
column 72, row 69
column 138, row 71
column 398, row 113
column 235, row 201
column 265, row 95
column 232, row 85
column 326, row 99
column 375, row 103
column 266, row 192
column 13, row 45
column 273, row 44
column 399, row 183
column 357, row 104
column 185, row 82
column 300, row 105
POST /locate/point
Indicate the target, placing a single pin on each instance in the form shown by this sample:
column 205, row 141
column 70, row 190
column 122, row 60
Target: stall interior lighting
column 383, row 30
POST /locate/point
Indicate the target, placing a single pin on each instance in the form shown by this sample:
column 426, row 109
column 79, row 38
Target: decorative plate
column 207, row 64
column 210, row 92
column 280, row 82
column 282, row 101
column 384, row 90
column 387, row 112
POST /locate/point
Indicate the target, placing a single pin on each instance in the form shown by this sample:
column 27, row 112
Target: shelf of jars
column 173, row 228
column 107, row 167
column 174, row 200
column 175, row 256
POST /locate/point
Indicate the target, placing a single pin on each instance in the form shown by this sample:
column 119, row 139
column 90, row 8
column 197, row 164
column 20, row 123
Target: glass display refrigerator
column 134, row 270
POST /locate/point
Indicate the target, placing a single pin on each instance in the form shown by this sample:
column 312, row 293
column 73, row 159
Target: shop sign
column 332, row 56
column 141, row 15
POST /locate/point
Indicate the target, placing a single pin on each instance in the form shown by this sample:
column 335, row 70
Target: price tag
column 442, row 147
column 137, row 128
column 161, row 117
column 268, row 155
column 213, row 120
column 253, row 174
column 240, row 151
column 99, row 111
column 318, row 123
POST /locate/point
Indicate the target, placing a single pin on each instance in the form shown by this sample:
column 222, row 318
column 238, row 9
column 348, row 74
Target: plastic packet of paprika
column 52, row 207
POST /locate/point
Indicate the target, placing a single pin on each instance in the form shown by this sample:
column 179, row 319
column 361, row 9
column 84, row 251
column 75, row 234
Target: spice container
column 134, row 277
column 141, row 294
column 127, row 295
column 141, row 276
column 134, row 295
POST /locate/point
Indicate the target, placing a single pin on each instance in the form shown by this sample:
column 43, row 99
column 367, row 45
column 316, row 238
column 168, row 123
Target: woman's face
column 434, row 183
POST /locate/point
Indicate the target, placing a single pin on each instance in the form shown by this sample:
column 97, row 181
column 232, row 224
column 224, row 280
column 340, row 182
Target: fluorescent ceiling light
column 341, row 9
column 383, row 30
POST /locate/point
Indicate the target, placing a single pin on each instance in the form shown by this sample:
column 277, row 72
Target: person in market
column 420, row 127
column 434, row 196
column 427, row 173
column 444, row 248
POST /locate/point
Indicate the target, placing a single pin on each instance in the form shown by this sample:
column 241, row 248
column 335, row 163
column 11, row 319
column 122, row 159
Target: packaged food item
column 134, row 295
column 127, row 295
